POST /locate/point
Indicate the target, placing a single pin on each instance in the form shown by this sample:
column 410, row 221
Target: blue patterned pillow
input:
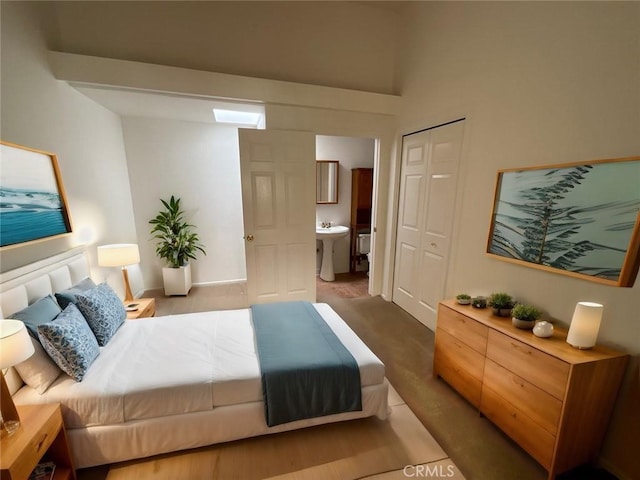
column 68, row 296
column 69, row 342
column 103, row 310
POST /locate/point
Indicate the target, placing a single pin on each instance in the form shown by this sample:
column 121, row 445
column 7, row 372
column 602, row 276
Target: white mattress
column 178, row 364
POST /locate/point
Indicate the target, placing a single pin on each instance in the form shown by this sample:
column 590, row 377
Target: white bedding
column 145, row 372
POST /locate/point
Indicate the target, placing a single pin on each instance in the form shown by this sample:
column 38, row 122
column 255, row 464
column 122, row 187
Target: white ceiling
column 136, row 103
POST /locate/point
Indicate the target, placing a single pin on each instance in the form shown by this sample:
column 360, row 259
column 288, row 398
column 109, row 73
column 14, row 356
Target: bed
column 137, row 400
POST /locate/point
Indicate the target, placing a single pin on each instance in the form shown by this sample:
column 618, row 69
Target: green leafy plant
column 527, row 313
column 463, row 296
column 177, row 242
column 500, row 300
column 479, row 302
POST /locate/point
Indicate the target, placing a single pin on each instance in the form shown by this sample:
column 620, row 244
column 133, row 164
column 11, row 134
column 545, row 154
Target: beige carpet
column 368, row 448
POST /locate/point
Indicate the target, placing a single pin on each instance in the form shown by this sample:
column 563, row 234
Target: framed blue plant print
column 579, row 219
column 33, row 205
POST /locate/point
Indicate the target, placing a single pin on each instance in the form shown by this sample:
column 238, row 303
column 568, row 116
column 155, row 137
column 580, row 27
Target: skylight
column 237, row 117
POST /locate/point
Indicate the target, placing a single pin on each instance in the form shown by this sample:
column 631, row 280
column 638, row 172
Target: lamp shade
column 15, row 343
column 583, row 331
column 118, row 255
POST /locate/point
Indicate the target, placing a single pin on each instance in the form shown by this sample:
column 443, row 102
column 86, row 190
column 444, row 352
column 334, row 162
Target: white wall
column 351, row 152
column 39, row 111
column 539, row 83
column 199, row 163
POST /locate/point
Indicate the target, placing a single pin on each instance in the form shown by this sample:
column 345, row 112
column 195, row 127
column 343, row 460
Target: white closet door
column 428, row 185
column 278, row 171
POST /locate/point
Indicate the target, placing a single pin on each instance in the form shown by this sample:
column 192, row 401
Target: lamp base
column 579, row 347
column 9, row 427
column 128, row 295
column 10, row 417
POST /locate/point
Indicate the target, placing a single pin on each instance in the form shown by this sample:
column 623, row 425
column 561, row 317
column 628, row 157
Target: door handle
column 249, row 238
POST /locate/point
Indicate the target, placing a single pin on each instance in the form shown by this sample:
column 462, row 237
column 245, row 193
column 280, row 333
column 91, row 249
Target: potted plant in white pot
column 177, row 244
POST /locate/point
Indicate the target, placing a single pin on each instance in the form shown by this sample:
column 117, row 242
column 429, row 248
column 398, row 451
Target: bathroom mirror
column 327, row 181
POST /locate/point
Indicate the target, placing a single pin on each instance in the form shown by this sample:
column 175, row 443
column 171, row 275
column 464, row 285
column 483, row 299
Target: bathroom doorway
column 350, row 253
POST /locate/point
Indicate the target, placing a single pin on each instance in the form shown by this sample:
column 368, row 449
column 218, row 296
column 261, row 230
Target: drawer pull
column 517, row 347
column 41, row 442
column 518, row 382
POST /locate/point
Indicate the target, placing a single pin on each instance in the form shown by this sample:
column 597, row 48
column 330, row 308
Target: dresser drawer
column 545, row 371
column 537, row 404
column 463, row 328
column 459, row 365
column 527, row 433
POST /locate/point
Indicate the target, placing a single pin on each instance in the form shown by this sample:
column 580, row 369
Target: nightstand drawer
column 463, row 328
column 41, row 434
column 146, row 307
column 549, row 373
column 543, row 408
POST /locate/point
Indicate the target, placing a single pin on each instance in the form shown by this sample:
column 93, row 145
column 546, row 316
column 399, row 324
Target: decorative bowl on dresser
column 552, row 399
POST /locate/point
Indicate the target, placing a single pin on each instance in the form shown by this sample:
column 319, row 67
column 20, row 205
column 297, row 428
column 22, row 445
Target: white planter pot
column 177, row 281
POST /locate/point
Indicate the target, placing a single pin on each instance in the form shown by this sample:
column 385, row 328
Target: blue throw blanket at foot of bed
column 306, row 370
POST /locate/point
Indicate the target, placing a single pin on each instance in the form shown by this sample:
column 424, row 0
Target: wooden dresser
column 552, row 399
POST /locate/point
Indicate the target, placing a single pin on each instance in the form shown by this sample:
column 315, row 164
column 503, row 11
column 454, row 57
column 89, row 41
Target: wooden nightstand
column 41, row 437
column 146, row 307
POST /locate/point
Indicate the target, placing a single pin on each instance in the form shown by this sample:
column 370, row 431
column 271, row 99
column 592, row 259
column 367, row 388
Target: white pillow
column 38, row 371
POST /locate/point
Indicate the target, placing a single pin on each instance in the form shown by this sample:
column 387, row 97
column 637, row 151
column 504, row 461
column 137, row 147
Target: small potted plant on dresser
column 502, row 303
column 463, row 299
column 525, row 316
column 177, row 244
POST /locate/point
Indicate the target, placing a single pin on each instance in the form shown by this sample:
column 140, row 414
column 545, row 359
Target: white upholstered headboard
column 21, row 287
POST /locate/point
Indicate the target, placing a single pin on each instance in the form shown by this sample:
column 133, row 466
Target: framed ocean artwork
column 32, row 200
column 578, row 219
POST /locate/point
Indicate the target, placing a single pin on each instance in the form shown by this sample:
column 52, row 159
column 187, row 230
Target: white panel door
column 278, row 170
column 415, row 153
column 428, row 185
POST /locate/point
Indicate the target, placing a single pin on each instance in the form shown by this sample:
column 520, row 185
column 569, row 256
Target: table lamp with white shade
column 15, row 347
column 585, row 324
column 120, row 255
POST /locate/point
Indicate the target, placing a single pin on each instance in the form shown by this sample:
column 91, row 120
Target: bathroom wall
column 351, row 152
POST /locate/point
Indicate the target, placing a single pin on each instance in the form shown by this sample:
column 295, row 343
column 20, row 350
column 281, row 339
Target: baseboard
column 604, row 463
column 198, row 284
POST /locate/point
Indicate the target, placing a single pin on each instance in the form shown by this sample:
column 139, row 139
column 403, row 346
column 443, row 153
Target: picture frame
column 579, row 219
column 33, row 204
